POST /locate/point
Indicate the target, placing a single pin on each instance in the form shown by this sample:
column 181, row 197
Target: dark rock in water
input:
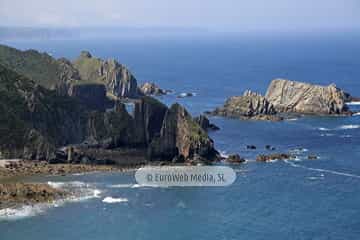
column 269, row 147
column 205, row 124
column 275, row 156
column 248, row 106
column 291, row 96
column 251, row 147
column 235, row 158
column 312, row 157
column 183, row 95
column 152, row 89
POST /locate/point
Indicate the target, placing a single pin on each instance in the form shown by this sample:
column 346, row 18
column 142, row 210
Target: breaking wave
column 342, row 127
column 80, row 191
column 353, row 103
column 114, row 200
column 322, row 170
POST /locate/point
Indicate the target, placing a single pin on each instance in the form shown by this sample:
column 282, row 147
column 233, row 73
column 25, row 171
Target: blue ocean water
column 302, row 199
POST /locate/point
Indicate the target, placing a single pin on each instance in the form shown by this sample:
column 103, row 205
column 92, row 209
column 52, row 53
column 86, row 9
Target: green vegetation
column 40, row 67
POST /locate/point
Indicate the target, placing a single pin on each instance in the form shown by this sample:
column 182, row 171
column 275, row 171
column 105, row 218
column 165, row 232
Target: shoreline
column 16, row 191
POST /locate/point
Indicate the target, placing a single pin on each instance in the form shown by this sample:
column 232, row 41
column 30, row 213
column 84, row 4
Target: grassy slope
column 39, row 67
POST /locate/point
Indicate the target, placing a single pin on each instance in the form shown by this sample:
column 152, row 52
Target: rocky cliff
column 291, row 96
column 61, row 74
column 181, row 136
column 117, row 78
column 36, row 122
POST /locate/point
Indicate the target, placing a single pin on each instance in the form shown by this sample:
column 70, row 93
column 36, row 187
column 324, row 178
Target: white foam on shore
column 11, row 214
column 114, row 200
column 323, row 170
column 80, row 192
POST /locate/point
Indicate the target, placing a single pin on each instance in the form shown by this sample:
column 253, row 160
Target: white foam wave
column 342, row 127
column 224, row 154
column 114, row 200
column 323, row 170
column 21, row 212
column 80, row 191
column 67, row 184
column 353, row 103
column 345, row 127
column 356, row 114
column 121, row 186
column 292, row 119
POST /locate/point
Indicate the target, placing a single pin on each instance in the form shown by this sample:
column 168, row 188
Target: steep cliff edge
column 116, row 77
column 181, row 136
column 36, row 123
column 298, row 97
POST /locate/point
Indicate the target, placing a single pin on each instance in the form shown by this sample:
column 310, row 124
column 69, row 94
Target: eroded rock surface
column 292, row 96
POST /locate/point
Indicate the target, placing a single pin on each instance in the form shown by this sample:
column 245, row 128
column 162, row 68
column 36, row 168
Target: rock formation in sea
column 181, row 135
column 38, row 123
column 151, row 89
column 292, row 96
column 250, row 105
column 285, row 97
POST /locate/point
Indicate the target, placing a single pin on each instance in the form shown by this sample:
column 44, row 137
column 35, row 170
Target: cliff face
column 181, row 136
column 36, row 122
column 116, row 77
column 61, row 74
column 249, row 105
column 291, row 96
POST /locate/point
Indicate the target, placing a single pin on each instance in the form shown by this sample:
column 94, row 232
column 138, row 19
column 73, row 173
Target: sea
column 294, row 199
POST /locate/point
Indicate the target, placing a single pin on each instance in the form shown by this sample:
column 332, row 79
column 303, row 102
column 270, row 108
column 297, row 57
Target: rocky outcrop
column 205, row 124
column 117, row 78
column 275, row 156
column 248, row 106
column 298, row 97
column 181, row 135
column 28, row 193
column 150, row 89
column 235, row 158
column 36, row 122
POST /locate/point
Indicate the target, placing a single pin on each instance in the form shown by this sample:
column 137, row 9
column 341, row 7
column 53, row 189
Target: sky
column 219, row 15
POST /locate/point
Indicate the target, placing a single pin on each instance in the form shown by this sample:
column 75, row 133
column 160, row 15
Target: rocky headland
column 285, row 98
column 83, row 109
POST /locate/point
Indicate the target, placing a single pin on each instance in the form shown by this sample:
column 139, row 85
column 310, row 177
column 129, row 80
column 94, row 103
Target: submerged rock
column 235, row 158
column 291, row 96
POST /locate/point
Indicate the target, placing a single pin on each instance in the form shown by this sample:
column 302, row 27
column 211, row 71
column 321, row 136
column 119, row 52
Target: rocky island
column 285, row 97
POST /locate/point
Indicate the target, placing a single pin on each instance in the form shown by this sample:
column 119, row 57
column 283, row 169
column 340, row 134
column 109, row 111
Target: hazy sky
column 227, row 15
